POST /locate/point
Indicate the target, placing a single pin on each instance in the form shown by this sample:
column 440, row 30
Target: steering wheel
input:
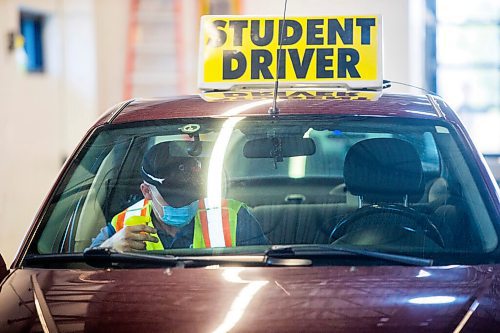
column 411, row 222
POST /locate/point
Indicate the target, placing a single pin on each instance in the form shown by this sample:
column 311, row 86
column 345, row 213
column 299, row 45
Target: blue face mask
column 179, row 217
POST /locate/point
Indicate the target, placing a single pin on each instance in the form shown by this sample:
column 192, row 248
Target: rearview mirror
column 279, row 147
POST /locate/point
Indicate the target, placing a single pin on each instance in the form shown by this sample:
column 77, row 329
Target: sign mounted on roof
column 242, row 95
column 328, row 51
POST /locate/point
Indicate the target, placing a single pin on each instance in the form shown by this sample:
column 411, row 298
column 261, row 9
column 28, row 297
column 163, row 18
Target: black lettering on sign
column 300, row 95
column 345, row 93
column 322, row 63
column 282, row 63
column 324, row 94
column 282, row 94
column 221, row 34
column 230, row 58
column 266, row 94
column 238, row 26
column 300, row 67
column 366, row 24
column 345, row 34
column 256, row 33
column 296, row 32
column 315, row 28
column 347, row 61
column 261, row 60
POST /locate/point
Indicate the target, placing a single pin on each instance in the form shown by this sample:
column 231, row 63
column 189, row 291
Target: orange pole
column 237, row 7
column 130, row 55
column 204, row 7
column 180, row 47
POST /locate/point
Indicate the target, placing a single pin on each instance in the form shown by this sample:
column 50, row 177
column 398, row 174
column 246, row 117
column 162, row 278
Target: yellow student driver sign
column 243, row 51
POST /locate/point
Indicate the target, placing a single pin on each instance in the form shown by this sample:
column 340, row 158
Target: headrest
column 439, row 190
column 383, row 170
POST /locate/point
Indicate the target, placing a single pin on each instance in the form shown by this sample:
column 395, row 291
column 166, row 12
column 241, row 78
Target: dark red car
column 380, row 215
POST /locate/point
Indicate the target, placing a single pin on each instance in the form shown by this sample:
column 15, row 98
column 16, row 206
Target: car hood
column 238, row 299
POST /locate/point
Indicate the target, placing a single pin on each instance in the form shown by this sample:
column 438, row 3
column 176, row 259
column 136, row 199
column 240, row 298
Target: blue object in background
column 31, row 29
column 337, row 132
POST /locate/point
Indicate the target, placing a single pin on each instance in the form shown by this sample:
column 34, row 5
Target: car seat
column 448, row 212
column 386, row 174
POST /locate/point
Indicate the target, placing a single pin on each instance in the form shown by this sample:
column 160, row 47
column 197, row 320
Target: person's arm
column 248, row 229
column 103, row 235
column 127, row 239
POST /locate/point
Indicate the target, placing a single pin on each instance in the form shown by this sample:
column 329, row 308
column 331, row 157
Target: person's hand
column 131, row 238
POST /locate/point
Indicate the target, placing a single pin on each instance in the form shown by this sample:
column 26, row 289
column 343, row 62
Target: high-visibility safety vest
column 213, row 227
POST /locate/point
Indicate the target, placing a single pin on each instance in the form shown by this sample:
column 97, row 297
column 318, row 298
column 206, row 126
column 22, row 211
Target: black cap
column 178, row 179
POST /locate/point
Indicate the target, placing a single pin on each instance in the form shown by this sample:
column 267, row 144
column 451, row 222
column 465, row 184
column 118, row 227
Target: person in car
column 172, row 214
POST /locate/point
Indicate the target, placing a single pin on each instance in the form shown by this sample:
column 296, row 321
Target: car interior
column 379, row 190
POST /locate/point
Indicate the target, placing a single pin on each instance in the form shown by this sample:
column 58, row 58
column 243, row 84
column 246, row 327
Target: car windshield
column 377, row 183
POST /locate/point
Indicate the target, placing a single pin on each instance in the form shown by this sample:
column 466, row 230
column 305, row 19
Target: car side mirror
column 3, row 268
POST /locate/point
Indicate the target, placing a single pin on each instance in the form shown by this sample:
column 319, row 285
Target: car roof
column 387, row 105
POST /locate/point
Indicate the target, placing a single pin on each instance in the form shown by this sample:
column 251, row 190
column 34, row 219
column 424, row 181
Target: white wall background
column 31, row 135
column 43, row 116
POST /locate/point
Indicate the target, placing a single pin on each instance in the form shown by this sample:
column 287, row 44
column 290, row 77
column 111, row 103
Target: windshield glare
column 384, row 185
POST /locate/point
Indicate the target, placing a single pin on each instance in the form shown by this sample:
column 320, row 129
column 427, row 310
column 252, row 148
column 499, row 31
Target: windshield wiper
column 104, row 257
column 324, row 250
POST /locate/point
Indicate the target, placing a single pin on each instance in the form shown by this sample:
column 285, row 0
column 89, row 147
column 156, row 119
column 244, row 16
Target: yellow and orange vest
column 214, row 227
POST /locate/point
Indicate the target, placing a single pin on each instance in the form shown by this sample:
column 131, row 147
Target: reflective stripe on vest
column 141, row 208
column 224, row 234
column 216, row 227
